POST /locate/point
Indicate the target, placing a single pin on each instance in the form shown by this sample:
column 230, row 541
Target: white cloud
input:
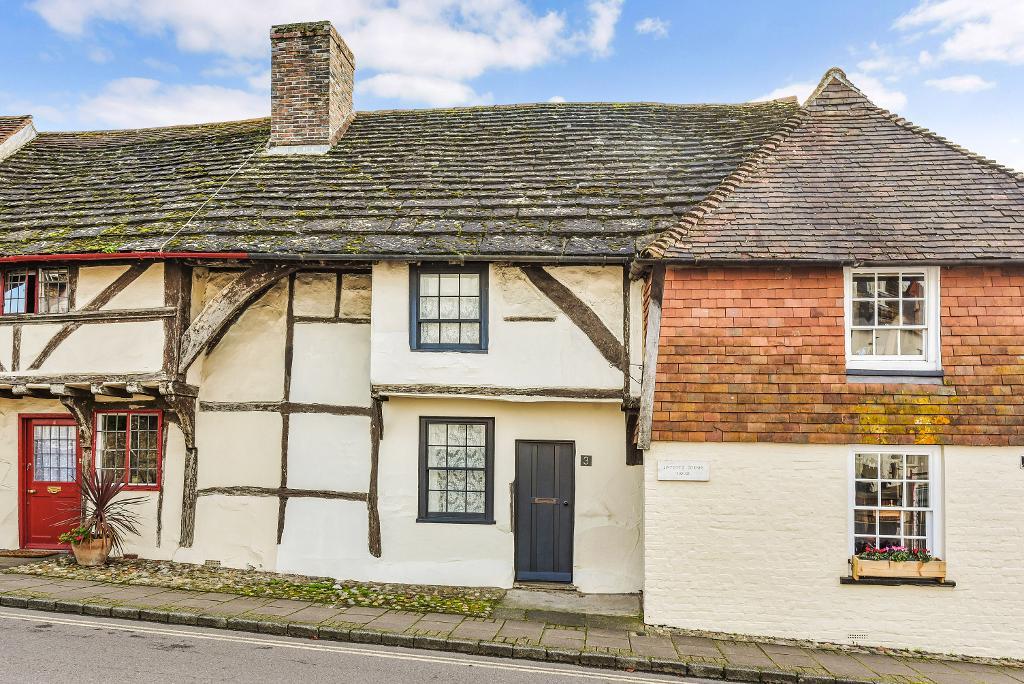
column 135, row 102
column 100, row 55
column 884, row 61
column 654, row 26
column 556, row 99
column 876, row 91
column 438, row 92
column 801, row 89
column 968, row 83
column 977, row 30
column 445, row 40
column 604, row 15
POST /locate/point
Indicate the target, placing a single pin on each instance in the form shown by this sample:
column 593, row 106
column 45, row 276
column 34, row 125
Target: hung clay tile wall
column 757, row 355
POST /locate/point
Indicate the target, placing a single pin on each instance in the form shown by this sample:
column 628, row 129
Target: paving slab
column 394, row 621
column 643, row 650
column 478, row 628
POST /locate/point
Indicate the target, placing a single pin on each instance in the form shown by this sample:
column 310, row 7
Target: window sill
column 456, row 521
column 459, row 350
column 898, row 581
column 890, row 376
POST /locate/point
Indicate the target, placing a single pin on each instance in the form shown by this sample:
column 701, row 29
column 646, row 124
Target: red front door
column 50, row 471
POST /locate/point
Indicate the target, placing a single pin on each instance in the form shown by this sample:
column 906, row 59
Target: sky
column 954, row 66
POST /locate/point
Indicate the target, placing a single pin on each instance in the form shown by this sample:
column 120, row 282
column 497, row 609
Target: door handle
column 565, row 503
column 31, row 491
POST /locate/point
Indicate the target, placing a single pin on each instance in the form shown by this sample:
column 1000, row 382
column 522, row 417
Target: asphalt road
column 51, row 647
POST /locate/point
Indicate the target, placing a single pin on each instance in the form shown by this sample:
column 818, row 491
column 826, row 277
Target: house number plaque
column 691, row 471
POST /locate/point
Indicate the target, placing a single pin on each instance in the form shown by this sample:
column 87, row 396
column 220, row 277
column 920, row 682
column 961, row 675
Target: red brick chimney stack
column 312, row 74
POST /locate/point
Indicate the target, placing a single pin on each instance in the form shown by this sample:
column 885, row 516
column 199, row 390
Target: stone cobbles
column 633, row 650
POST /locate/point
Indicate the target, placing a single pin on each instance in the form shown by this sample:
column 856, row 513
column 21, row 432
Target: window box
column 933, row 569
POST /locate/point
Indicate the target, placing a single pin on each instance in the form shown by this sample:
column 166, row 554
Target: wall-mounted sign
column 691, row 471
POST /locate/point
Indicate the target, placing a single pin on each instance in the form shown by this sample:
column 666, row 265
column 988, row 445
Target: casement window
column 892, row 319
column 456, row 470
column 44, row 290
column 448, row 308
column 128, row 445
column 895, row 497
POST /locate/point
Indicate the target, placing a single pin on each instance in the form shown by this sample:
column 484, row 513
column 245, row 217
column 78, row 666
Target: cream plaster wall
column 329, row 452
column 6, row 346
column 760, row 549
column 147, row 291
column 331, row 364
column 315, row 294
column 248, row 362
column 329, row 538
column 239, row 449
column 128, row 347
column 93, row 279
column 514, row 357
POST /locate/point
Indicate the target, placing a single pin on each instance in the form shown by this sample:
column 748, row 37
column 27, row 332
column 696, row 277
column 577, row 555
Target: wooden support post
column 651, row 339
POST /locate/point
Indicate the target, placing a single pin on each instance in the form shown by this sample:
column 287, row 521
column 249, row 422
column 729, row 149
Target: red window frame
column 35, row 290
column 128, row 413
column 34, row 299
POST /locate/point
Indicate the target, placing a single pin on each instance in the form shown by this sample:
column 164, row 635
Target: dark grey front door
column 544, row 510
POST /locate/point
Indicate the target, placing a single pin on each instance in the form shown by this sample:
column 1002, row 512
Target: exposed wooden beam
column 578, row 312
column 111, row 390
column 100, row 300
column 282, row 492
column 226, row 306
column 651, row 339
column 139, row 388
column 64, row 390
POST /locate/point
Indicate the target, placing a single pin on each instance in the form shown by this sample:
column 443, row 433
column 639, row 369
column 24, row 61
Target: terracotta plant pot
column 92, row 553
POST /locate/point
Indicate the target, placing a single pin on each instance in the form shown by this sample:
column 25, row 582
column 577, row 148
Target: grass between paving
column 473, row 602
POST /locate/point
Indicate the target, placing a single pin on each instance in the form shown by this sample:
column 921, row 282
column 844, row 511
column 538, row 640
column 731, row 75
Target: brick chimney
column 311, row 79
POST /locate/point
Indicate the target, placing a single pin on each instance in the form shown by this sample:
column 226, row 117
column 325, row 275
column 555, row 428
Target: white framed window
column 895, row 498
column 892, row 318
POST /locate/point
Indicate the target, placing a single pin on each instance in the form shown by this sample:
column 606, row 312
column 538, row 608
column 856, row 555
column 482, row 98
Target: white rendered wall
column 760, row 549
column 550, row 354
column 607, row 553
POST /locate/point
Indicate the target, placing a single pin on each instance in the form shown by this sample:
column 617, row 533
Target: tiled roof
column 846, row 181
column 547, row 179
column 9, row 125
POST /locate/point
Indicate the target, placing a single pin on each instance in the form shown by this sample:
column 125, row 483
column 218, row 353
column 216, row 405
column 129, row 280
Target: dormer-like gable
column 844, row 181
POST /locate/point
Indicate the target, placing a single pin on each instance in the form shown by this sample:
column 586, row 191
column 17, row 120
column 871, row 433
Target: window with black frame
column 456, row 470
column 448, row 308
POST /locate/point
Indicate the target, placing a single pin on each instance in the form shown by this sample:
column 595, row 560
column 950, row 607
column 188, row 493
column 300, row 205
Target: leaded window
column 449, row 308
column 54, row 453
column 54, row 291
column 19, row 287
column 128, row 447
column 44, row 290
column 456, row 469
column 894, row 499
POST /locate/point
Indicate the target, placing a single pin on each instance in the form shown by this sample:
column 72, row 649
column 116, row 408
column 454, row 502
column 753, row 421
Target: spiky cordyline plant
column 102, row 515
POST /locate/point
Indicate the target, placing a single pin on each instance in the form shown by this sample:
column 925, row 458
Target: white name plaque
column 692, row 471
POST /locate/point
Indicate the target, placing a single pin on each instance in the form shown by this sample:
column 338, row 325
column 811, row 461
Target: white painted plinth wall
column 760, row 548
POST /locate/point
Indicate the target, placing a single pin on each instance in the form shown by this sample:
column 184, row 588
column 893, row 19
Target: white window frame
column 936, row 492
column 931, row 360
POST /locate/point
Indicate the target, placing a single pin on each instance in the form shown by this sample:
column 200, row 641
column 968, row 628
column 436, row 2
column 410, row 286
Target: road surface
column 56, row 647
